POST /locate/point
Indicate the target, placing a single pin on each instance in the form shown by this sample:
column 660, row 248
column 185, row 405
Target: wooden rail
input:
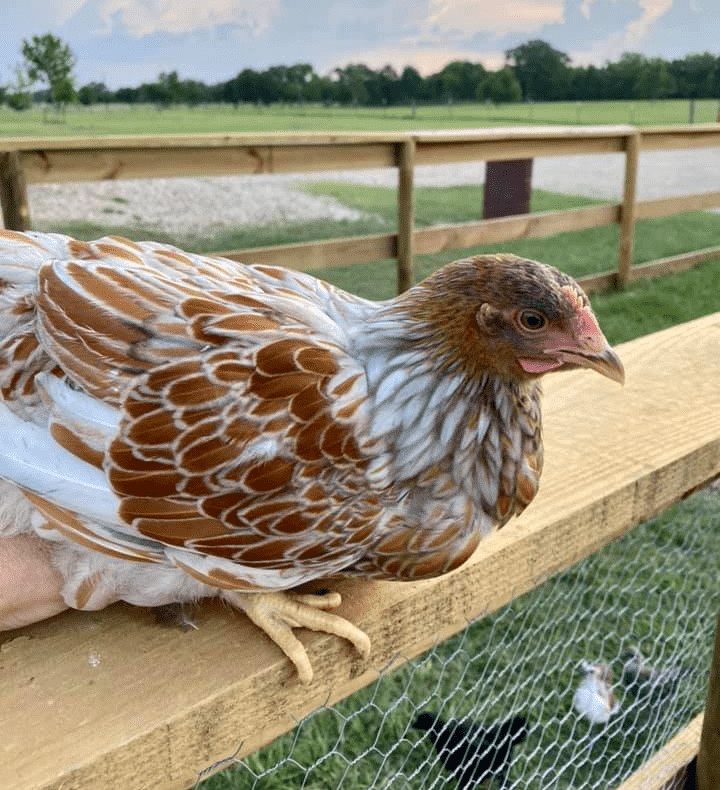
column 667, row 768
column 108, row 699
column 115, row 157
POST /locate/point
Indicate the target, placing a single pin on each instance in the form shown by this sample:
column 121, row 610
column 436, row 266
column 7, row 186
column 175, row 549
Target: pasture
column 217, row 118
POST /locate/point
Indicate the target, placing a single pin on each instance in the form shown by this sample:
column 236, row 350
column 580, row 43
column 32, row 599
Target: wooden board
column 524, row 226
column 109, row 699
column 110, row 163
column 665, row 207
column 665, row 770
column 318, row 255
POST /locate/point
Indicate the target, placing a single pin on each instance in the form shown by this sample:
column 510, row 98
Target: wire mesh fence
column 644, row 608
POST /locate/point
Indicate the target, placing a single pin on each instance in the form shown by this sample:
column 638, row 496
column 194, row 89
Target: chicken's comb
column 577, row 300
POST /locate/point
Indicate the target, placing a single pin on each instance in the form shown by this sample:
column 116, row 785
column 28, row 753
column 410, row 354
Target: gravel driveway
column 201, row 205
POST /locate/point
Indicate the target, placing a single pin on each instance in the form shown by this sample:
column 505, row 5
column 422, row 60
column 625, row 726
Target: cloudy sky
column 125, row 42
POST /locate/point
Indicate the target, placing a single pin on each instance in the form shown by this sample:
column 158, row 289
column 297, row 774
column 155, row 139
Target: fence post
column 406, row 214
column 708, row 761
column 627, row 211
column 13, row 193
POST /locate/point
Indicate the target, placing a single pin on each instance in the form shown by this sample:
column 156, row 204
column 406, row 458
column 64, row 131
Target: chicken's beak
column 606, row 361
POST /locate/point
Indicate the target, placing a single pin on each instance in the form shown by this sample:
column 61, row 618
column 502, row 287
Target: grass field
column 146, row 119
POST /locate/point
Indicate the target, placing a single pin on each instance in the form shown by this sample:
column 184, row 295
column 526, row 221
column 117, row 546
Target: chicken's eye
column 532, row 320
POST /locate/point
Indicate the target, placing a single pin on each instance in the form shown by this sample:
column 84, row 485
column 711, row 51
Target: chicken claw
column 277, row 613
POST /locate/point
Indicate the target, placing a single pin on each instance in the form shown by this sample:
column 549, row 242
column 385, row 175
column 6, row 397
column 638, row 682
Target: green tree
column 541, row 70
column 411, row 84
column 500, row 87
column 623, row 75
column 19, row 96
column 94, row 93
column 51, row 61
column 697, row 76
column 654, row 80
column 461, row 79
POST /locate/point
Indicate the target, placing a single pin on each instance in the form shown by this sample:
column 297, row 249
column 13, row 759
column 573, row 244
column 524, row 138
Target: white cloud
column 65, row 9
column 144, row 17
column 426, row 61
column 629, row 39
column 464, row 18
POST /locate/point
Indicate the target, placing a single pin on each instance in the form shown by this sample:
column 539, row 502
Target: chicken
column 474, row 754
column 594, row 697
column 177, row 426
column 640, row 680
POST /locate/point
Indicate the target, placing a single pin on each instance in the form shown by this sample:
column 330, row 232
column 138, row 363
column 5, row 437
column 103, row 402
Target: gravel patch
column 186, row 206
column 183, row 206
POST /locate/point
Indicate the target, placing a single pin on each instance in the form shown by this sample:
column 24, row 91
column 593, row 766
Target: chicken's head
column 513, row 317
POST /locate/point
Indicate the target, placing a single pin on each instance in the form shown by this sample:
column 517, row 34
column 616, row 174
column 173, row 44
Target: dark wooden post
column 507, row 188
column 708, row 761
column 406, row 215
column 13, row 193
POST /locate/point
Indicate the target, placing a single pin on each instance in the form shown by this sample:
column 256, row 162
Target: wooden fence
column 30, row 160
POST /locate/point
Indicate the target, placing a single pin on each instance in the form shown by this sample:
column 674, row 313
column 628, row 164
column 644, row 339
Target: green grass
column 146, row 119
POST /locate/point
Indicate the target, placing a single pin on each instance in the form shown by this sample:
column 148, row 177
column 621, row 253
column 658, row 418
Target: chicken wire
column 656, row 589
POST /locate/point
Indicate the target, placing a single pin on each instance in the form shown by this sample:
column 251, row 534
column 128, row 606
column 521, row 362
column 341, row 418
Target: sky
column 126, row 42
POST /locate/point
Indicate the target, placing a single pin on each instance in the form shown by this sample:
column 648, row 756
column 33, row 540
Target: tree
column 654, row 80
column 697, row 75
column 351, row 83
column 411, row 84
column 94, row 93
column 461, row 79
column 19, row 96
column 624, row 74
column 51, row 61
column 541, row 70
column 500, row 87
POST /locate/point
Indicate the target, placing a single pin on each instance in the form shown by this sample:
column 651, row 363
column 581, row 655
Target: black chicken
column 472, row 753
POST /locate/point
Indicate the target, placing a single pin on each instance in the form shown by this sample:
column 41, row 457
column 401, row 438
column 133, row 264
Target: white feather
column 31, row 459
column 390, row 384
column 76, row 405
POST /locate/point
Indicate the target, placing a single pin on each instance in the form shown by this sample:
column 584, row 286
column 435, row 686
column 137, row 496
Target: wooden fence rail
column 107, row 699
column 31, row 160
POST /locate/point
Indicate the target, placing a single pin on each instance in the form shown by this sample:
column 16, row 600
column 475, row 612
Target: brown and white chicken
column 177, row 426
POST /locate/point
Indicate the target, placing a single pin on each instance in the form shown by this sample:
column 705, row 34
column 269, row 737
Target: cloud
column 65, row 9
column 629, row 39
column 144, row 17
column 426, row 61
column 465, row 18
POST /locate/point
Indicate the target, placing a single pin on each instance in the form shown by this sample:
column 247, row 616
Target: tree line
column 533, row 71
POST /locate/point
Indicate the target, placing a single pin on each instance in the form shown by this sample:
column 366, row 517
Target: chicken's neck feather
column 482, row 431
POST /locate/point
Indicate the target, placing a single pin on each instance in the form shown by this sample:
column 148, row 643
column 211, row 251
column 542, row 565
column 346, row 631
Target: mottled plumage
column 185, row 426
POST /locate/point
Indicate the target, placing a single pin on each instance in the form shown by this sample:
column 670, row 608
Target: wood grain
column 109, row 699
